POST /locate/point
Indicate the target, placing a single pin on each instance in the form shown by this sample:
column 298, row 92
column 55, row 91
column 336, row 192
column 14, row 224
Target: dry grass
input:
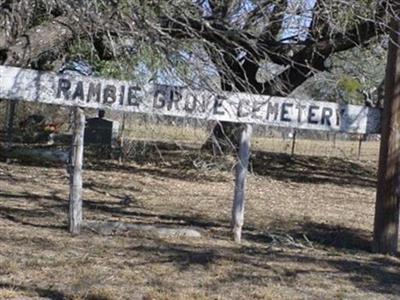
column 341, row 149
column 197, row 135
column 152, row 131
column 307, row 233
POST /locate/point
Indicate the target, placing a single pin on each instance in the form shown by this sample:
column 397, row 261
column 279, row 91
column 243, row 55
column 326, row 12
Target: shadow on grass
column 344, row 253
column 280, row 166
column 38, row 216
column 187, row 167
column 253, row 265
column 22, row 217
column 312, row 233
column 168, row 160
column 52, row 206
column 41, row 292
column 184, row 257
column 156, row 218
column 319, row 234
column 312, row 169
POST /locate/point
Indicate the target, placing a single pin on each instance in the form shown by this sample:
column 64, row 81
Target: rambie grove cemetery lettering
column 94, row 92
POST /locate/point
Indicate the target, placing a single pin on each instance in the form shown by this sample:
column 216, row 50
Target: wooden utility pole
column 386, row 225
column 240, row 182
column 75, row 172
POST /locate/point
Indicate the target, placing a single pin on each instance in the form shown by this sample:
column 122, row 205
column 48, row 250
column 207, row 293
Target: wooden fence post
column 361, row 138
column 334, row 140
column 121, row 155
column 294, row 132
column 386, row 225
column 240, row 182
column 75, row 172
column 10, row 116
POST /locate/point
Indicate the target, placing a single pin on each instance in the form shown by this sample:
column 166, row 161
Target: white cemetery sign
column 95, row 92
column 81, row 91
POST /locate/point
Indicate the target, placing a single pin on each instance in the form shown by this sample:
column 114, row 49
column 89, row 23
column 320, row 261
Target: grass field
column 307, row 229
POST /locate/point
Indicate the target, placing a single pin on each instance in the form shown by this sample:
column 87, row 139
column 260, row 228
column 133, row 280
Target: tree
column 244, row 33
column 386, row 223
column 354, row 77
column 232, row 38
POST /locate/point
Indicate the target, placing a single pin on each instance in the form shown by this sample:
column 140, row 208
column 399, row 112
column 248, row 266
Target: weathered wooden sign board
column 94, row 92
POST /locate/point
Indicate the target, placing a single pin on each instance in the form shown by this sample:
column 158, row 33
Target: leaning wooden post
column 386, row 225
column 240, row 182
column 75, row 172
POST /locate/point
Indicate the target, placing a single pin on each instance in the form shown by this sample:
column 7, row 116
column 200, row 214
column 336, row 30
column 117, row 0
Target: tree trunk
column 223, row 139
column 386, row 225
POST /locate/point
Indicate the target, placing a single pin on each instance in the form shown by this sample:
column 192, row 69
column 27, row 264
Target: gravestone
column 102, row 132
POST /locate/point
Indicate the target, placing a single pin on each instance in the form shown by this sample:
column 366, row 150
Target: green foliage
column 349, row 85
column 125, row 67
column 352, row 73
column 350, row 88
column 119, row 69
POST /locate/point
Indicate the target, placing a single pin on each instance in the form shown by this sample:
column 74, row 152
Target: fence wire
column 136, row 131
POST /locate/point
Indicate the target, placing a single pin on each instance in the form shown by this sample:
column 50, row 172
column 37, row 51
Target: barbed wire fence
column 139, row 134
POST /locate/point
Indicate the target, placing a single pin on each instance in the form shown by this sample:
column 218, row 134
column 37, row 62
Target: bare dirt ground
column 307, row 231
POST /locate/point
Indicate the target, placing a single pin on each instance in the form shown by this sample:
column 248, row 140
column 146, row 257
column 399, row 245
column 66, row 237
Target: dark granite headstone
column 99, row 131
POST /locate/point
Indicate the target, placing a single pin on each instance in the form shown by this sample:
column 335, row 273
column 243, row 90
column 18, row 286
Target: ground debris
column 288, row 240
column 117, row 228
